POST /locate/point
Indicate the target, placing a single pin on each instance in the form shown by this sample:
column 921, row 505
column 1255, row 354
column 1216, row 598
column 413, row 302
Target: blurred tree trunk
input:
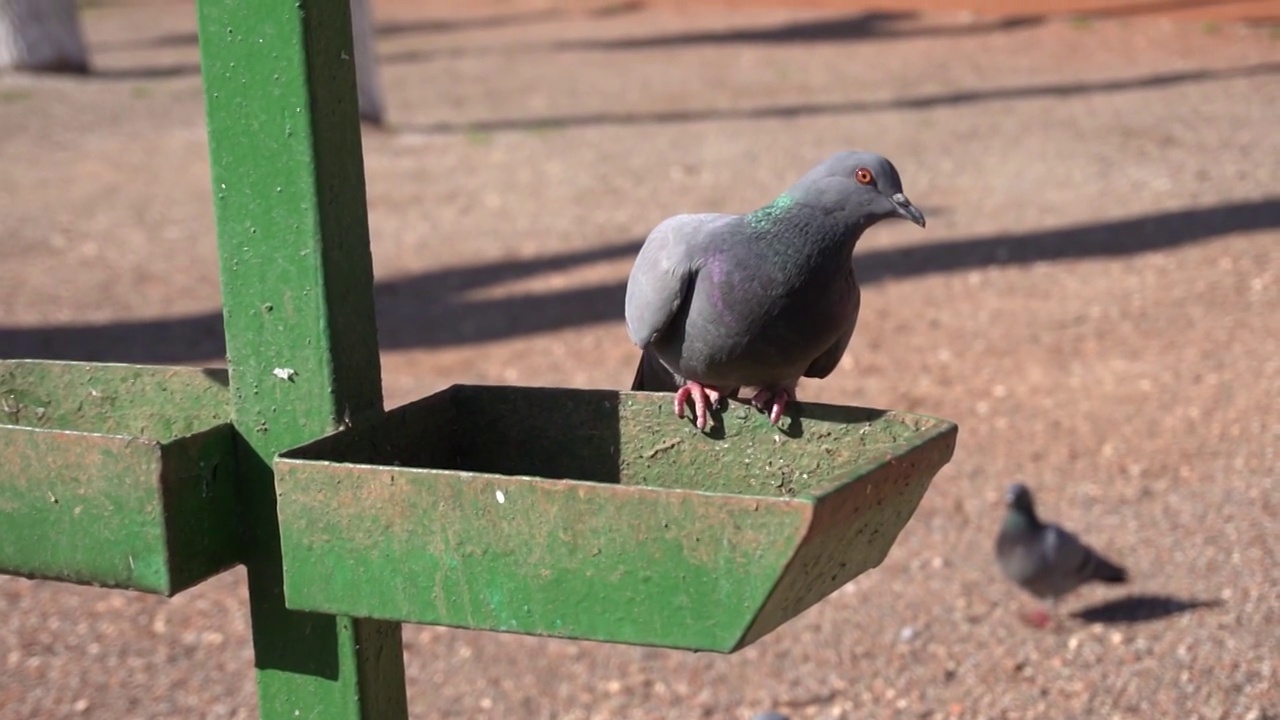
column 41, row 35
column 368, row 85
column 45, row 35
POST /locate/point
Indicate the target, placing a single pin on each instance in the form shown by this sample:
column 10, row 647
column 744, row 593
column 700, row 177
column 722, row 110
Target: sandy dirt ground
column 1094, row 301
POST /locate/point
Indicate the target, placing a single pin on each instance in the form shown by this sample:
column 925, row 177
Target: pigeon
column 717, row 302
column 1045, row 559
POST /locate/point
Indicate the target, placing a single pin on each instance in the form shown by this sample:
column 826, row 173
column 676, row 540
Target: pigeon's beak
column 906, row 210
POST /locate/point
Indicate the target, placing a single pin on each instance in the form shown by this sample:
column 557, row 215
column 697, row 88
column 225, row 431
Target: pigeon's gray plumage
column 1044, row 559
column 719, row 302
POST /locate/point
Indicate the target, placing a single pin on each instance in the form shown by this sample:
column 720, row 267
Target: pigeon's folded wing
column 825, row 363
column 1068, row 558
column 664, row 272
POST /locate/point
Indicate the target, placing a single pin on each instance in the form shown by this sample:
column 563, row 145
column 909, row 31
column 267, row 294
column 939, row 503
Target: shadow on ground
column 436, row 309
column 437, row 25
column 425, row 26
column 1141, row 608
column 795, row 110
column 1152, row 8
column 861, row 26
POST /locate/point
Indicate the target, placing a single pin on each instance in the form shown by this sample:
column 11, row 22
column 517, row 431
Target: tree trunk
column 41, row 35
column 368, row 87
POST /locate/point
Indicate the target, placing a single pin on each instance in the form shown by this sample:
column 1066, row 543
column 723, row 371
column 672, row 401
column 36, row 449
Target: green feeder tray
column 116, row 475
column 596, row 514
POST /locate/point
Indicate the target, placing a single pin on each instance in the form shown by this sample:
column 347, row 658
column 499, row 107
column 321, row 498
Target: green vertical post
column 297, row 286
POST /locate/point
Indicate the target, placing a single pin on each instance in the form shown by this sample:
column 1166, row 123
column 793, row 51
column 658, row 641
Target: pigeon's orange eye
column 863, row 176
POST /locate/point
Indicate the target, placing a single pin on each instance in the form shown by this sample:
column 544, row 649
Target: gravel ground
column 1094, row 302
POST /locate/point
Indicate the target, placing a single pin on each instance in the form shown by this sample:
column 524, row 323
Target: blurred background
column 1095, row 301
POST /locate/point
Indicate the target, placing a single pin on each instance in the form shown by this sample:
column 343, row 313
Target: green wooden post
column 297, row 284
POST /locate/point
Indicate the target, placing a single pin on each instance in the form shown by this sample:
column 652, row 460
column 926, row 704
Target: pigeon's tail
column 653, row 376
column 1107, row 571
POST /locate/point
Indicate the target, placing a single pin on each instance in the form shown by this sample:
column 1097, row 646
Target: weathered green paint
column 596, row 514
column 112, row 399
column 116, row 475
column 293, row 243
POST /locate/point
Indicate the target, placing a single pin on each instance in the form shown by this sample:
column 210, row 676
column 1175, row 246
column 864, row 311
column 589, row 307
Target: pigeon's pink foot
column 1038, row 618
column 703, row 398
column 775, row 401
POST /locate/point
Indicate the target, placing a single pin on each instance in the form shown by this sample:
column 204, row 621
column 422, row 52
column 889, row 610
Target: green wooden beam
column 297, row 284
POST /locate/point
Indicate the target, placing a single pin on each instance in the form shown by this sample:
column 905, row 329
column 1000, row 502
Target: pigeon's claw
column 779, row 404
column 703, row 398
column 1039, row 618
column 773, row 402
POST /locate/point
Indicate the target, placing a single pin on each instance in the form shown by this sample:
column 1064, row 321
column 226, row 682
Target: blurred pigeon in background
column 718, row 302
column 1045, row 559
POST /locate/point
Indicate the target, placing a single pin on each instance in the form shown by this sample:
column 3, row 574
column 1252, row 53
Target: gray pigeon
column 718, row 302
column 1044, row 559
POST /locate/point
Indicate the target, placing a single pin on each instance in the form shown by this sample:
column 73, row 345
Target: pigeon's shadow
column 792, row 423
column 1132, row 609
column 794, row 427
column 825, row 412
column 715, row 420
column 742, row 407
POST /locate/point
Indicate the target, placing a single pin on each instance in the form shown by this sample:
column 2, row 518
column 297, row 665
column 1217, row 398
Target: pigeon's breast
column 1020, row 556
column 1028, row 559
column 753, row 323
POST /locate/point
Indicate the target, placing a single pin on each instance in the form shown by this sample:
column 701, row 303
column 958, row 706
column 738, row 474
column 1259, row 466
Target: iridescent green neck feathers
column 769, row 214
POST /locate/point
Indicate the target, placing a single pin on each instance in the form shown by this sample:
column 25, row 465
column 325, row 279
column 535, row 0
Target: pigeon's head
column 861, row 186
column 1018, row 499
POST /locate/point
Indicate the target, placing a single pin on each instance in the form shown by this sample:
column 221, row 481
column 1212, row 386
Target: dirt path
column 1093, row 301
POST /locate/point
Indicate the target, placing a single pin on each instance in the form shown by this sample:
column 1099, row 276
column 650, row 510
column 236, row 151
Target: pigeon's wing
column 1074, row 562
column 1064, row 552
column 830, row 358
column 652, row 376
column 664, row 272
column 825, row 363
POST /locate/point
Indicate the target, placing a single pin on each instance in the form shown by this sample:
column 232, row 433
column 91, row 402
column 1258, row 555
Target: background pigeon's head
column 1018, row 499
column 858, row 185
